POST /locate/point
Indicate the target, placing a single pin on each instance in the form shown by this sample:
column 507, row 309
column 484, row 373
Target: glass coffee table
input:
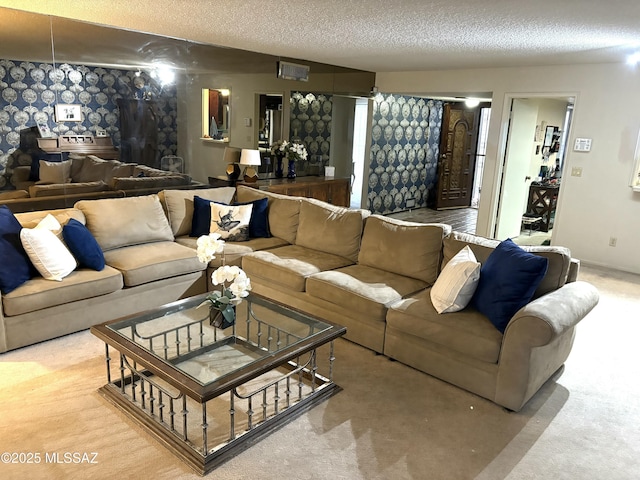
column 207, row 393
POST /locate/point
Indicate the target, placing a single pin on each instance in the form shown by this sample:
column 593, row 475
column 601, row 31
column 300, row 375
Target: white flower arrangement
column 292, row 151
column 208, row 246
column 234, row 281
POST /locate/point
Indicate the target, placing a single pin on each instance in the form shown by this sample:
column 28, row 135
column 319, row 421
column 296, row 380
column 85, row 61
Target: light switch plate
column 576, row 171
column 582, row 145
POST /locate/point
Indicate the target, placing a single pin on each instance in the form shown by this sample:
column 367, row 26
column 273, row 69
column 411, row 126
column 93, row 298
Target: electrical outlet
column 576, row 172
column 411, row 202
column 613, row 241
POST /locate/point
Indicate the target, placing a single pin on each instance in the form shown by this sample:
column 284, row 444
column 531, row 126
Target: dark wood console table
column 542, row 203
column 336, row 191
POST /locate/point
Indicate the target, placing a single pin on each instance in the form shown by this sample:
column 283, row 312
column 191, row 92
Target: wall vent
column 293, row 71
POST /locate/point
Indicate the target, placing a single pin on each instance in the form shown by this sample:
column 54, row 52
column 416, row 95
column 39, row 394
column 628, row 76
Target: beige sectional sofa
column 378, row 286
column 367, row 272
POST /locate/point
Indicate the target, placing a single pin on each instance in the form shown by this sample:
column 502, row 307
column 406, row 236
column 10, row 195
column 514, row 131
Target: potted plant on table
column 235, row 285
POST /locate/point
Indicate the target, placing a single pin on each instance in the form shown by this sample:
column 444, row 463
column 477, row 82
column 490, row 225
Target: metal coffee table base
column 205, row 434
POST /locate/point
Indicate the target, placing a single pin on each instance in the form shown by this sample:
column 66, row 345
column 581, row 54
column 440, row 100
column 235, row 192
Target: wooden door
column 457, row 157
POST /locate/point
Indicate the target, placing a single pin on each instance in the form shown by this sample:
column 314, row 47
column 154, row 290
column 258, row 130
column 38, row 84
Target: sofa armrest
column 538, row 340
column 550, row 315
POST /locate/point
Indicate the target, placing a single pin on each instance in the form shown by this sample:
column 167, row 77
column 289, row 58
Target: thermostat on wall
column 582, row 145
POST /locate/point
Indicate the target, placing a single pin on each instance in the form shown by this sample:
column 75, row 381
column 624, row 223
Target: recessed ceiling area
column 378, row 35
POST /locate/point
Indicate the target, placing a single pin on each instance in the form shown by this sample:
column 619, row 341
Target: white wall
column 591, row 208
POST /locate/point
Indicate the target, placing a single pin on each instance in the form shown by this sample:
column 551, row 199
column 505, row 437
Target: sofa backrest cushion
column 179, row 205
column 284, row 211
column 119, row 222
column 559, row 257
column 54, row 172
column 406, row 248
column 327, row 228
column 93, row 169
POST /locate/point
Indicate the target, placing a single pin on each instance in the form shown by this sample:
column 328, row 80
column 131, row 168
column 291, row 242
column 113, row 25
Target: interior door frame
column 502, row 150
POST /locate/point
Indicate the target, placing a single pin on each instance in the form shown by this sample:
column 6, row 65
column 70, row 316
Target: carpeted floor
column 389, row 422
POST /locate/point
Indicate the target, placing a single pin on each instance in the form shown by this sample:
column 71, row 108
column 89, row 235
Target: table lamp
column 250, row 158
column 232, row 157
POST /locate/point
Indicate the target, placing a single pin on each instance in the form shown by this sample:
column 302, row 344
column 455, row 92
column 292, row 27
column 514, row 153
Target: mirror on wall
column 101, row 68
column 215, row 114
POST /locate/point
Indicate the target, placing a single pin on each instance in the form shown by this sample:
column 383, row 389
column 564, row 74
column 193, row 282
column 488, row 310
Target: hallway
column 464, row 220
column 460, row 219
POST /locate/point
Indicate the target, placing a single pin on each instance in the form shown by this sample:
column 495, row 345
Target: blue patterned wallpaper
column 405, row 138
column 29, row 92
column 310, row 122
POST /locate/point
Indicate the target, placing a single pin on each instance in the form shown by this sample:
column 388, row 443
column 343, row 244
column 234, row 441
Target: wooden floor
column 460, row 219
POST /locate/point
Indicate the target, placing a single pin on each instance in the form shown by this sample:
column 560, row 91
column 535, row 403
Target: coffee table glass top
column 180, row 335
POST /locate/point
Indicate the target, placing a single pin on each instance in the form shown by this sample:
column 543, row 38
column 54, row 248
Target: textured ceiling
column 383, row 35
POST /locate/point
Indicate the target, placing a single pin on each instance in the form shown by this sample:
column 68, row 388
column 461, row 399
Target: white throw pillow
column 54, row 172
column 456, row 283
column 231, row 222
column 46, row 251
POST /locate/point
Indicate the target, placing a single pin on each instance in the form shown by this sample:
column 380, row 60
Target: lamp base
column 250, row 175
column 233, row 171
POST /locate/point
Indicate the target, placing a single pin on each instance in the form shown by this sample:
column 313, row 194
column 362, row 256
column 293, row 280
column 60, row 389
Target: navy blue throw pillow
column 508, row 280
column 201, row 222
column 15, row 266
column 258, row 224
column 83, row 245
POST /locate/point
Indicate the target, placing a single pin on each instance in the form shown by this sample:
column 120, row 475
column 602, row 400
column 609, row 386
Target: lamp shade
column 231, row 155
column 250, row 157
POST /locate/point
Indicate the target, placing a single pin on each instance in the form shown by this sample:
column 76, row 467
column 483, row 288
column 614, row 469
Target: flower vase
column 222, row 318
column 291, row 173
column 279, row 172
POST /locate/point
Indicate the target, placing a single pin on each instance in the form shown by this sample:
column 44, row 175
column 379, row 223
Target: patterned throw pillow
column 231, row 222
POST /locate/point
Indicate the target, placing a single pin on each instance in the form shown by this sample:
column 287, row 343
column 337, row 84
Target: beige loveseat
column 145, row 267
column 373, row 275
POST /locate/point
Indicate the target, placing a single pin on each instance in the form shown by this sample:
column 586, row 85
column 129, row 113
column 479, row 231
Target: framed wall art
column 45, row 131
column 68, row 113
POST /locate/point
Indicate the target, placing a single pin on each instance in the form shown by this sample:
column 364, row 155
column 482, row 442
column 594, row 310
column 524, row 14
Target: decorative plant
column 233, row 280
column 292, row 151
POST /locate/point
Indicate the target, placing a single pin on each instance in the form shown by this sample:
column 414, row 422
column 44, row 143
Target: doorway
column 532, row 168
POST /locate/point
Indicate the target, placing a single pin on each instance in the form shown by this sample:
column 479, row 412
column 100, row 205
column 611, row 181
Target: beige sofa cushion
column 290, row 266
column 406, row 248
column 330, row 229
column 366, row 290
column 179, row 205
column 234, row 251
column 284, row 211
column 38, row 293
column 153, row 261
column 120, row 222
column 559, row 257
column 467, row 332
column 66, row 188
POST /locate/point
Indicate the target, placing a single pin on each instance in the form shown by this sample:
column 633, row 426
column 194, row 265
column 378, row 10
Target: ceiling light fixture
column 472, row 102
